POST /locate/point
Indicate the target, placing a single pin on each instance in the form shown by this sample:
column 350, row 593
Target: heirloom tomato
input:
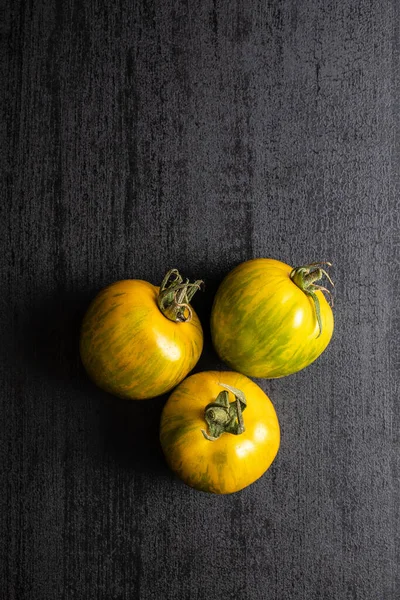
column 139, row 341
column 219, row 431
column 270, row 320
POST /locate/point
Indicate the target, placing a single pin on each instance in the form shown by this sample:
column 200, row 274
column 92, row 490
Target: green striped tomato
column 270, row 320
column 139, row 341
column 219, row 431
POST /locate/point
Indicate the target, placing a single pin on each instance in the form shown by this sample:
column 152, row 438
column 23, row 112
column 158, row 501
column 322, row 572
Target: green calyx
column 305, row 278
column 223, row 416
column 175, row 295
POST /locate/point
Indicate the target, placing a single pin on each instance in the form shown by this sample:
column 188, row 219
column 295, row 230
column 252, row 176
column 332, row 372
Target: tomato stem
column 223, row 416
column 175, row 295
column 305, row 278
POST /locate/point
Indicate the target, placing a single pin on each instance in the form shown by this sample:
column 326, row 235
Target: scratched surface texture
column 137, row 136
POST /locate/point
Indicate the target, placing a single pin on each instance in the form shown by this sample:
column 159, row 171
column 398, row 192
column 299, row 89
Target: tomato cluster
column 219, row 431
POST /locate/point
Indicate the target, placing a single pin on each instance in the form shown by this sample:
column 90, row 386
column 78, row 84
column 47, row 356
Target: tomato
column 137, row 340
column 219, row 431
column 270, row 320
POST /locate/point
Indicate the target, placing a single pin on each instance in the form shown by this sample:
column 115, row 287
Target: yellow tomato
column 219, row 431
column 138, row 341
column 270, row 320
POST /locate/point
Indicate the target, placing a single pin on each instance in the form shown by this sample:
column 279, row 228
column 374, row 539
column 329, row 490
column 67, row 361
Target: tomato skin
column 263, row 324
column 231, row 462
column 130, row 349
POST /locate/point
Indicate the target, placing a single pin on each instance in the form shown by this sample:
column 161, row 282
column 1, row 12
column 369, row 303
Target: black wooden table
column 140, row 136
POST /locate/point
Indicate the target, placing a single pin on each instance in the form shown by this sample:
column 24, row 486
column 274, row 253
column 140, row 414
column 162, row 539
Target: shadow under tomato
column 202, row 304
column 47, row 338
column 130, row 430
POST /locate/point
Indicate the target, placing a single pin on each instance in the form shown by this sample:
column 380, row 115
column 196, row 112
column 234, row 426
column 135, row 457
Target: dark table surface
column 138, row 136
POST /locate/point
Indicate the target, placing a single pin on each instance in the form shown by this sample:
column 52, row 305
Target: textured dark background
column 137, row 136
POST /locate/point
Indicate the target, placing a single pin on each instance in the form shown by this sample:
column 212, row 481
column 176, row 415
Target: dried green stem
column 175, row 295
column 223, row 416
column 305, row 278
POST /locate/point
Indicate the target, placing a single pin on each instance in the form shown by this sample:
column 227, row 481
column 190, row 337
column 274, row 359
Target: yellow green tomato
column 269, row 319
column 138, row 340
column 219, row 431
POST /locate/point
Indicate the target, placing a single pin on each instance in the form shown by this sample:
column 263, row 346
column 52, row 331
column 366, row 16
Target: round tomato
column 219, row 431
column 139, row 341
column 270, row 320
